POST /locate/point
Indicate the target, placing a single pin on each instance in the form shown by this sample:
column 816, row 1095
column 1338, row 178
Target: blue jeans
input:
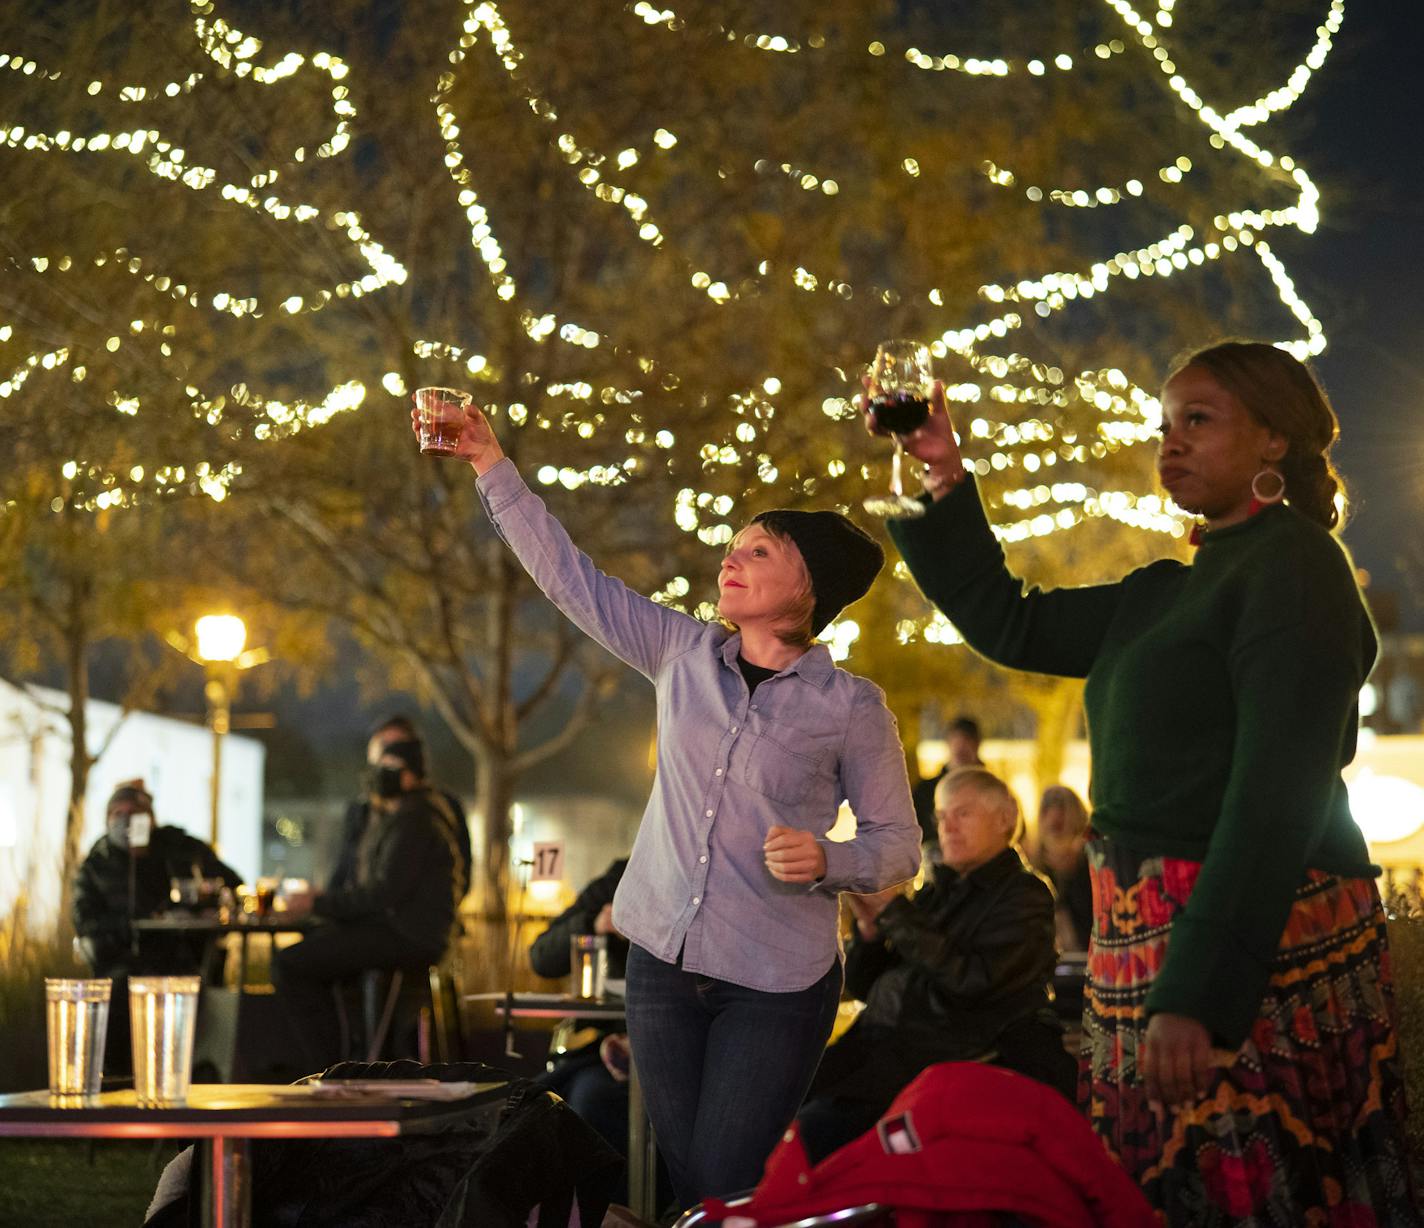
column 723, row 1068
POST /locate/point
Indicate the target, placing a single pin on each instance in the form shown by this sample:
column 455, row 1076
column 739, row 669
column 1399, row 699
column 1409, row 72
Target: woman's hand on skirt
column 1175, row 1061
column 793, row 856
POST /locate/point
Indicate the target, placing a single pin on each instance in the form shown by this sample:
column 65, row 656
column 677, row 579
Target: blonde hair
column 987, row 785
column 1064, row 797
column 798, row 611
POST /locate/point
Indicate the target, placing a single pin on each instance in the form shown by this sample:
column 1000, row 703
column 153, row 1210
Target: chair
column 394, row 1003
column 870, row 1215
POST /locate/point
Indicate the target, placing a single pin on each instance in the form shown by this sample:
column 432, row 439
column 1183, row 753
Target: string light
column 1124, row 415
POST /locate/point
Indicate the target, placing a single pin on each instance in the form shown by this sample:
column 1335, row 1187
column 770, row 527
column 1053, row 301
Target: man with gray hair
column 961, row 972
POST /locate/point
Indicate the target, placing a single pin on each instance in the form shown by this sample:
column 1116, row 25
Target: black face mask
column 384, row 781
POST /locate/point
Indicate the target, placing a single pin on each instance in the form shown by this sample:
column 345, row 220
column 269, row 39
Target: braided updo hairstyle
column 1282, row 392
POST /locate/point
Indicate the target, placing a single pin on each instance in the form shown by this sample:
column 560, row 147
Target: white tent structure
column 174, row 759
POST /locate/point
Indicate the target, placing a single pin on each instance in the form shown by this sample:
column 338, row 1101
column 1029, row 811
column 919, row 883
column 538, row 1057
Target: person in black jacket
column 397, row 732
column 962, row 740
column 960, row 973
column 127, row 876
column 398, row 913
column 577, row 1070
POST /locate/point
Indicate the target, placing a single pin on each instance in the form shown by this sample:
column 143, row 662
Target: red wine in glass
column 900, row 384
column 899, row 412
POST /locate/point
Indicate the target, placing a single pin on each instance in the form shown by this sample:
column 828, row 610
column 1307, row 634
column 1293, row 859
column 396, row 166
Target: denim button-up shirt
column 730, row 765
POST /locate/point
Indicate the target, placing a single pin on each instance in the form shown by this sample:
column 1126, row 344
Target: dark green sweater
column 1221, row 702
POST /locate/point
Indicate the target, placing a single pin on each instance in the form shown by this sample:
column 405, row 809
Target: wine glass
column 900, row 385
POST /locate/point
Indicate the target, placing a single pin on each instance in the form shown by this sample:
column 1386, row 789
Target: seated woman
column 1061, row 856
column 959, row 973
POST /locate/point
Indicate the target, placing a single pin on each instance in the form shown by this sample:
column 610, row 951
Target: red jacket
column 963, row 1137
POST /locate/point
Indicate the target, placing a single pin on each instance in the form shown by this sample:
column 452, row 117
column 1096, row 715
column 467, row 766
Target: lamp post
column 220, row 641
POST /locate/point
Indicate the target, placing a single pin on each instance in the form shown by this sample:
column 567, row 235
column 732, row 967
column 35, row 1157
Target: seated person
column 962, row 972
column 1061, row 856
column 577, row 1070
column 127, row 876
column 962, row 741
column 399, row 912
column 399, row 732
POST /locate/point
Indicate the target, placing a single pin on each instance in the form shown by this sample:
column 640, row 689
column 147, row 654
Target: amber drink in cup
column 442, row 417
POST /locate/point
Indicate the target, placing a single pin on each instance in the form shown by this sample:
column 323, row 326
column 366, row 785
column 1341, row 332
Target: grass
column 26, row 958
column 55, row 1183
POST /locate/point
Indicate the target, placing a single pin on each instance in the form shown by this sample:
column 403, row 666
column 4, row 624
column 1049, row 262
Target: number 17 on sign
column 548, row 862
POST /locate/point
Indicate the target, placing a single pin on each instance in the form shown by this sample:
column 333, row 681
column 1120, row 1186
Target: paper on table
column 400, row 1089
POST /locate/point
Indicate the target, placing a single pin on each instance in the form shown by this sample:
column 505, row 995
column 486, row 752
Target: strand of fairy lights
column 232, row 50
column 1170, row 254
column 1053, row 295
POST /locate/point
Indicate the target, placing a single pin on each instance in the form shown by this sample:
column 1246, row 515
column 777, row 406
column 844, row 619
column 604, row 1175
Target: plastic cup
column 163, row 1012
column 266, row 897
column 77, row 1021
column 442, row 417
column 588, row 963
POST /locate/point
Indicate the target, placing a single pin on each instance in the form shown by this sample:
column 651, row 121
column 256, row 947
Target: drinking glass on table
column 442, row 417
column 163, row 1013
column 76, row 1023
column 900, row 385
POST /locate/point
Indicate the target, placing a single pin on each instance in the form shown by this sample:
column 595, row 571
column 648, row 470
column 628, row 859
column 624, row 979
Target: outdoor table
column 642, row 1146
column 225, row 1118
column 212, row 928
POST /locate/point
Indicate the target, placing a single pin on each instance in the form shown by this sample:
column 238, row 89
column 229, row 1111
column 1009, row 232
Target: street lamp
column 219, row 647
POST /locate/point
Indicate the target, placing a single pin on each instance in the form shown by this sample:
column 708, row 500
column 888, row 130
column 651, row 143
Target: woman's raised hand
column 477, row 443
column 933, row 443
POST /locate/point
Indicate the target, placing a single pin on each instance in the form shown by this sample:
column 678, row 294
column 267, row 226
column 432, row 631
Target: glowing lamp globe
column 221, row 637
column 1387, row 808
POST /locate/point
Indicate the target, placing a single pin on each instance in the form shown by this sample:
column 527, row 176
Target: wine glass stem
column 897, row 487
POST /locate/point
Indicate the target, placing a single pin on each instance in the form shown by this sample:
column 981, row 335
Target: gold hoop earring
column 1278, row 494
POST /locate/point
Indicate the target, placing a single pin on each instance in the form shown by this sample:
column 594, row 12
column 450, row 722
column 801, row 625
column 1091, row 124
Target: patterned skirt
column 1304, row 1127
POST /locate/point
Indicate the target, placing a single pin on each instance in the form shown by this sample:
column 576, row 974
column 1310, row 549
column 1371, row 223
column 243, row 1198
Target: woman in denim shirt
column 730, row 896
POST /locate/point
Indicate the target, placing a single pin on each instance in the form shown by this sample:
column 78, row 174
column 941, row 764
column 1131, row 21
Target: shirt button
column 709, row 814
column 718, row 772
column 697, row 899
column 703, row 859
column 754, row 707
column 734, row 729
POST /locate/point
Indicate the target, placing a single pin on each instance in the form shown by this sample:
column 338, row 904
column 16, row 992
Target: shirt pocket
column 780, row 773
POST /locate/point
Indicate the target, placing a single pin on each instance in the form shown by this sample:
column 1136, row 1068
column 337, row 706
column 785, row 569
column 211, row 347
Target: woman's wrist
column 939, row 480
column 486, row 460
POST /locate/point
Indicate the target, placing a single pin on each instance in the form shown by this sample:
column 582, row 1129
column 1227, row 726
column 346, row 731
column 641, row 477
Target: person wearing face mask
column 398, row 912
column 127, row 876
column 395, row 730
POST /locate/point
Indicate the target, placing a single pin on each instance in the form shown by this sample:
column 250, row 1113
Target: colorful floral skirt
column 1304, row 1127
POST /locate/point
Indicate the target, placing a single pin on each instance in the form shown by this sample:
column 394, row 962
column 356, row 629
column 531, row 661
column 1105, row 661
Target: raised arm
column 633, row 628
column 957, row 562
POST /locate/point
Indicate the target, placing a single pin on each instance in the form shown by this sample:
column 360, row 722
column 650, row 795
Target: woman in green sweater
column 1239, row 1048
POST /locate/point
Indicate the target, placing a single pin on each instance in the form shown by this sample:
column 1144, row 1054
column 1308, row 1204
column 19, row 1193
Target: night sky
column 1362, row 141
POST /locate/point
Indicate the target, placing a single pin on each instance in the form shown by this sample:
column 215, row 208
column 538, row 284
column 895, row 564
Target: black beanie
column 132, row 792
column 842, row 558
